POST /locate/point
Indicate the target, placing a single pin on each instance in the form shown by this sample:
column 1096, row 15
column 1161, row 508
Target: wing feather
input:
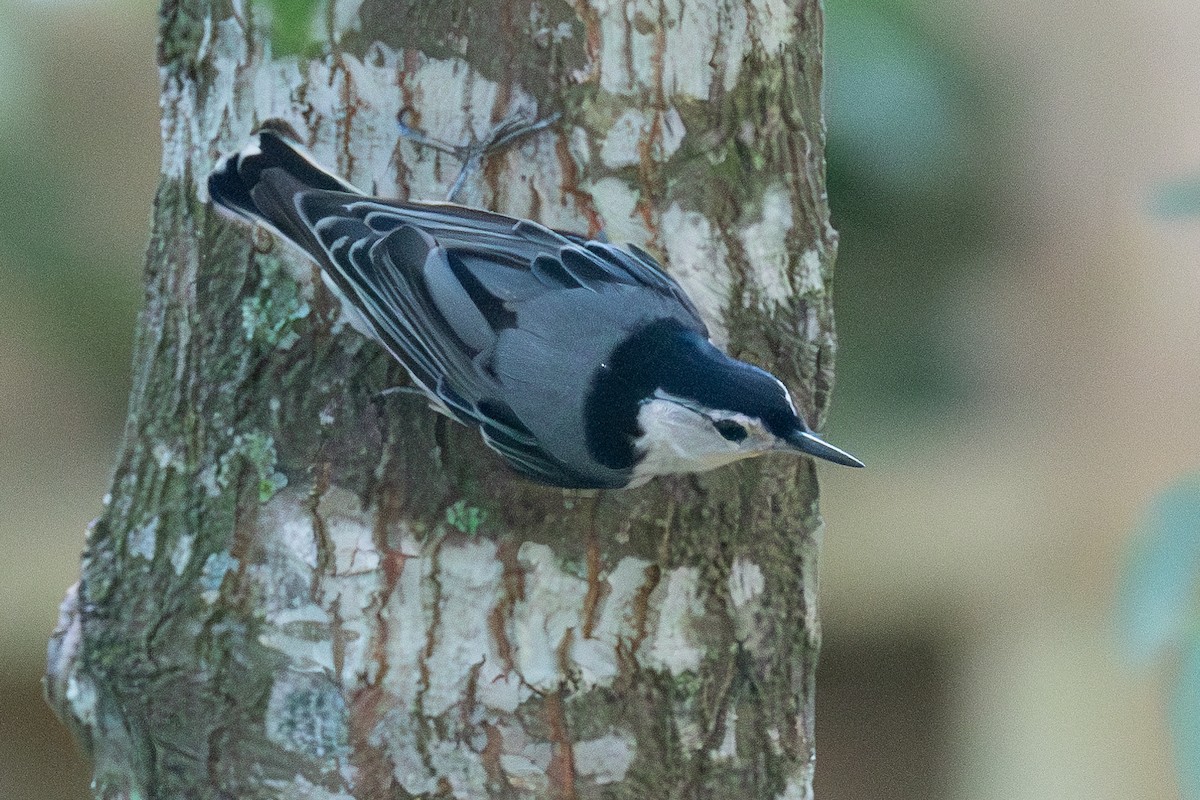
column 446, row 289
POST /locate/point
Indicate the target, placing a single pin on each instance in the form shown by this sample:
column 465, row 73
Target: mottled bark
column 297, row 590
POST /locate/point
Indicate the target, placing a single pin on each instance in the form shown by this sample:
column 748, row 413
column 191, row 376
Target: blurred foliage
column 1179, row 198
column 66, row 282
column 897, row 102
column 1159, row 609
column 913, row 131
column 13, row 94
column 293, row 25
column 1185, row 720
column 1158, row 602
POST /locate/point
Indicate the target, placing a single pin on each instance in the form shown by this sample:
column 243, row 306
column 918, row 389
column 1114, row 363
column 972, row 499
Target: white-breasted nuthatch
column 583, row 364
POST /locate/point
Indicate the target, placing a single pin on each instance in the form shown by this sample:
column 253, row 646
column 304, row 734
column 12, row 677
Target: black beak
column 809, row 442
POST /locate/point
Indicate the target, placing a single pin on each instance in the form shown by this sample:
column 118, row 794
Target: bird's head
column 698, row 408
column 681, row 434
column 729, row 412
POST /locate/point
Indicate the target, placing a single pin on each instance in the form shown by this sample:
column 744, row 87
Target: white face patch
column 678, row 438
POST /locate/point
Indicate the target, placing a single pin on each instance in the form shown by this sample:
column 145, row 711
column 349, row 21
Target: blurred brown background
column 1020, row 367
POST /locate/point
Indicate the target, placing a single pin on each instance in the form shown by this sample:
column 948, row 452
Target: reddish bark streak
column 493, row 167
column 337, row 640
column 375, row 772
column 325, row 558
column 595, row 590
column 641, row 612
column 350, row 107
column 649, row 168
column 391, row 565
column 497, row 627
column 561, row 771
column 570, row 187
column 592, row 40
column 513, row 579
column 431, row 635
column 470, row 698
column 490, row 755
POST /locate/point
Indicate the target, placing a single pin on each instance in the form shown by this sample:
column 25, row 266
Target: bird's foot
column 471, row 154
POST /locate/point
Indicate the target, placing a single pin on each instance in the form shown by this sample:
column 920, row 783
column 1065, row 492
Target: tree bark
column 296, row 590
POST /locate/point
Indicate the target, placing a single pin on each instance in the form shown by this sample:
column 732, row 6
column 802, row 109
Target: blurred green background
column 1018, row 296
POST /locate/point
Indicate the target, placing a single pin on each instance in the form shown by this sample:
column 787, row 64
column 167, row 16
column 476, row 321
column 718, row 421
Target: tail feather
column 259, row 183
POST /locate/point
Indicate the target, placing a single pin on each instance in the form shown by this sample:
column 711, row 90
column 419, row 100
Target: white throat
column 676, row 439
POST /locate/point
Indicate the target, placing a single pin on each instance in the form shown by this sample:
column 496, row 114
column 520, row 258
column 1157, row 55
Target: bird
column 583, row 364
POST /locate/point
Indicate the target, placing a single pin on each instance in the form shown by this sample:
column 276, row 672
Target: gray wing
column 497, row 319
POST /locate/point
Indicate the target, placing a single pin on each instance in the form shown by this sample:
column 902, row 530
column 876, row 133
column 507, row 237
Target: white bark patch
column 442, row 642
column 795, row 789
column 746, row 585
column 727, row 751
column 809, row 277
column 397, row 732
column 530, row 180
column 552, row 609
column 303, row 635
column 671, row 134
column 164, row 456
column 369, row 164
column 746, row 582
column 698, row 46
column 299, row 535
column 143, row 540
column 524, row 773
column 774, row 23
column 596, row 656
column 620, row 148
column 349, row 119
column 456, row 586
column 604, row 760
column 449, row 101
column 617, row 202
column 300, row 789
column 407, row 615
column 501, row 690
column 307, row 714
column 765, row 243
column 353, row 587
column 181, row 553
column 675, row 646
column 354, row 551
column 344, row 16
column 460, row 767
column 698, row 259
column 521, row 749
column 623, row 142
column 524, row 760
column 295, row 624
column 421, row 766
column 469, row 574
column 216, row 566
column 62, row 662
column 81, row 698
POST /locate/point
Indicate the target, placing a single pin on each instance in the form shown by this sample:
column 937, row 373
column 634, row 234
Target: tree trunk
column 297, row 590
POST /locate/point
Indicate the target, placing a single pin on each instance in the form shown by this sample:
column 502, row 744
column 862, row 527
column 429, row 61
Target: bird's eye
column 730, row 430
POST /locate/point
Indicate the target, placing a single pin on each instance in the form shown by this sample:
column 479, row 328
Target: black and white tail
column 260, row 183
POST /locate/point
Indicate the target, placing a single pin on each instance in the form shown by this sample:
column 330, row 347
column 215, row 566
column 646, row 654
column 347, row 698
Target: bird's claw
column 471, row 154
